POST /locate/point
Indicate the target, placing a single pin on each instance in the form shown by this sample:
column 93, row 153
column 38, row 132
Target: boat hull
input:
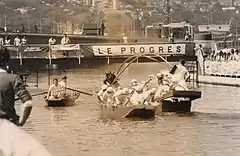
column 128, row 112
column 60, row 102
column 174, row 107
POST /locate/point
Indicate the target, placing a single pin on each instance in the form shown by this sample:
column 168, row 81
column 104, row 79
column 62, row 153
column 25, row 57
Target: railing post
column 37, row 78
column 20, row 57
column 50, row 56
column 79, row 56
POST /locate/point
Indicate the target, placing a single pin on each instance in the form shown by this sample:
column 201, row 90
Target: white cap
column 139, row 88
column 160, row 75
column 104, row 87
column 134, row 81
column 110, row 90
column 153, row 90
column 125, row 91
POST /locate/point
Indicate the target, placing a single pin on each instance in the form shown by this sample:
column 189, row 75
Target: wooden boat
column 178, row 101
column 60, row 102
column 139, row 111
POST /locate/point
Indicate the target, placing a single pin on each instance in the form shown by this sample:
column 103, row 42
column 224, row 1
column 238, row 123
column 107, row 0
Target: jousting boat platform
column 138, row 111
column 178, row 101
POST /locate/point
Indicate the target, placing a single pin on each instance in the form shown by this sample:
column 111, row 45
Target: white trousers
column 15, row 141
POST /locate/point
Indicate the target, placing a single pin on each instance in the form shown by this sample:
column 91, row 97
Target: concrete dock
column 224, row 81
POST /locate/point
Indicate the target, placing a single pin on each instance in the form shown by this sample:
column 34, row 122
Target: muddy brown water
column 213, row 128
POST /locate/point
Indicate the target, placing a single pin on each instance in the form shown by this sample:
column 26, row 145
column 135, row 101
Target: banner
column 67, row 47
column 125, row 50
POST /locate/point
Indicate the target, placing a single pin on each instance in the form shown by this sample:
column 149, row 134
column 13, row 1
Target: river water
column 213, row 128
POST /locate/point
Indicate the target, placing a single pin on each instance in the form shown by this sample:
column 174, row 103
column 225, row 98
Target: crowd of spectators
column 223, row 62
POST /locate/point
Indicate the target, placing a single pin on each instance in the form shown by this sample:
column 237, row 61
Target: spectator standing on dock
column 7, row 41
column 65, row 40
column 17, row 41
column 52, row 41
column 14, row 141
column 24, row 40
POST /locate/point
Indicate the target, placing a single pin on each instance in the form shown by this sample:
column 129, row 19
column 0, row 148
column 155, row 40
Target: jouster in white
column 108, row 97
column 180, row 76
column 136, row 97
column 100, row 93
column 147, row 96
column 121, row 97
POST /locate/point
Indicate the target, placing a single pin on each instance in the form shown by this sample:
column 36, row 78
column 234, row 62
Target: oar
column 79, row 91
column 37, row 94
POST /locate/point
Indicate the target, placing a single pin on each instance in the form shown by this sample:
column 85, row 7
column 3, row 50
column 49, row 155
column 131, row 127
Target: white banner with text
column 67, row 47
column 120, row 50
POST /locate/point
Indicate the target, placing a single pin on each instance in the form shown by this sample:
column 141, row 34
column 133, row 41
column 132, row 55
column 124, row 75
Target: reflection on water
column 213, row 128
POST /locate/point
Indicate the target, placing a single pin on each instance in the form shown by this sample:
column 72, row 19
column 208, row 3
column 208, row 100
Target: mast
column 168, row 11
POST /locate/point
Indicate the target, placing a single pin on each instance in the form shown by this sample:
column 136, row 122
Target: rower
column 136, row 97
column 100, row 93
column 180, row 76
column 121, row 97
column 164, row 86
column 148, row 96
column 63, row 83
column 134, row 84
column 55, row 90
column 108, row 97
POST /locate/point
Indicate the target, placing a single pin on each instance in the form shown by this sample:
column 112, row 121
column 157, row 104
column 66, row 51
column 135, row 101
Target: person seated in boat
column 55, row 90
column 121, row 97
column 147, row 97
column 100, row 93
column 63, row 84
column 180, row 76
column 135, row 99
column 111, row 79
column 108, row 97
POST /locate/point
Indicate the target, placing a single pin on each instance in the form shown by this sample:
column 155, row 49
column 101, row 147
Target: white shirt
column 108, row 98
column 17, row 41
column 1, row 41
column 120, row 98
column 24, row 41
column 7, row 42
column 65, row 40
column 63, row 84
column 181, row 73
column 51, row 41
column 54, row 90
